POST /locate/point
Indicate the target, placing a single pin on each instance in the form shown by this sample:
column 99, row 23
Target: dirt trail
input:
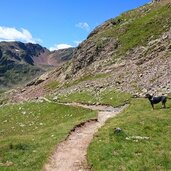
column 71, row 153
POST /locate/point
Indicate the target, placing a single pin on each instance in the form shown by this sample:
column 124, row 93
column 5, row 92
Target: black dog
column 154, row 100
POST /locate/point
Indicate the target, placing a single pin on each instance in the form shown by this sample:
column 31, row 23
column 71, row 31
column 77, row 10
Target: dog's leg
column 164, row 100
column 164, row 104
column 152, row 105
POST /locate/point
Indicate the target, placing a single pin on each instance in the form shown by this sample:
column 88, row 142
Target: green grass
column 3, row 98
column 110, row 151
column 86, row 78
column 137, row 27
column 140, row 31
column 80, row 97
column 110, row 97
column 52, row 85
column 114, row 98
column 30, row 132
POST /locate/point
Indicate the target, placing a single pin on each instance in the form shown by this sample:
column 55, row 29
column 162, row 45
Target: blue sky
column 57, row 23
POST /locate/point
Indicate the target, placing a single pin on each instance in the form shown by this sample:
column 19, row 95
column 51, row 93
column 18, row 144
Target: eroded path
column 71, row 153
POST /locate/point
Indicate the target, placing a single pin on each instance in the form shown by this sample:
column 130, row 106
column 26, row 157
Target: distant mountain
column 21, row 62
column 18, row 52
column 60, row 56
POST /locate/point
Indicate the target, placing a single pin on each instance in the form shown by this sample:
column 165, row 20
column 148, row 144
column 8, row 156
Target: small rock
column 8, row 163
column 55, row 98
column 23, row 90
column 117, row 130
column 144, row 90
column 24, row 112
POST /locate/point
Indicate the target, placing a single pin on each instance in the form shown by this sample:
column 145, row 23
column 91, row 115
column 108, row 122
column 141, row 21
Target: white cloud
column 12, row 34
column 60, row 46
column 83, row 25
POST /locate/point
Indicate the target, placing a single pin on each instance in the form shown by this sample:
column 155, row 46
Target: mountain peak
column 20, row 62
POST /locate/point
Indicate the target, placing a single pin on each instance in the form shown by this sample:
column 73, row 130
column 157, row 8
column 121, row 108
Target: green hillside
column 30, row 132
column 138, row 27
column 143, row 144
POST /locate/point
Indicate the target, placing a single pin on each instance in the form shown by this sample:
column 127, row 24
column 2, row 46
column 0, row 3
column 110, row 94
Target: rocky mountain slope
column 119, row 38
column 131, row 52
column 59, row 57
column 21, row 62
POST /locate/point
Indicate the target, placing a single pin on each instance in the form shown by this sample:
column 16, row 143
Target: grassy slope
column 110, row 97
column 86, row 78
column 110, row 151
column 30, row 132
column 137, row 27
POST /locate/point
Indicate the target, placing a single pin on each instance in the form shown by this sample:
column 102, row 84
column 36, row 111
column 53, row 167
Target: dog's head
column 148, row 96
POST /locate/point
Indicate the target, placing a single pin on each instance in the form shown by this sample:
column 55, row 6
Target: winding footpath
column 70, row 154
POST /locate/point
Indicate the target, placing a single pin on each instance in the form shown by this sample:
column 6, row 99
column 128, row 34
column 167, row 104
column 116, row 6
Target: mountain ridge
column 21, row 62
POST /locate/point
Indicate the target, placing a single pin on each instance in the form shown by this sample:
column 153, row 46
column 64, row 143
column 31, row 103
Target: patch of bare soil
column 71, row 153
